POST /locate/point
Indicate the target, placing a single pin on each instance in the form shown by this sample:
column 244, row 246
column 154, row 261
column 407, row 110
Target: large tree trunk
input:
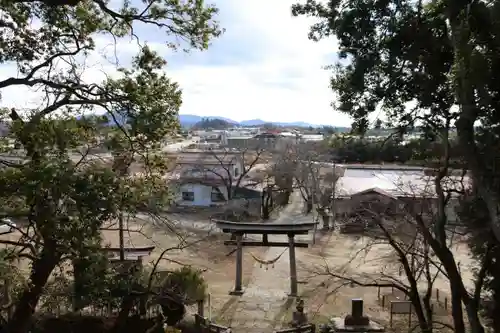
column 465, row 132
column 494, row 304
column 25, row 307
column 267, row 204
column 308, row 205
column 469, row 112
column 459, row 294
column 423, row 323
column 465, row 94
column 495, row 323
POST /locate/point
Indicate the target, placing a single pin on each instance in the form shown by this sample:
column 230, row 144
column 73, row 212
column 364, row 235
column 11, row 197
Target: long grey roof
column 400, row 183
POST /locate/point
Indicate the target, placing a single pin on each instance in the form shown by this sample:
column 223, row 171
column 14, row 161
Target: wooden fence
column 440, row 301
column 439, row 298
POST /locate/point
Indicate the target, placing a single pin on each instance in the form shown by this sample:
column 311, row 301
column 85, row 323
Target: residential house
column 203, row 177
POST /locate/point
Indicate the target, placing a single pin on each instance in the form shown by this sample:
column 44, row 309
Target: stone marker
column 299, row 318
column 356, row 321
column 356, row 318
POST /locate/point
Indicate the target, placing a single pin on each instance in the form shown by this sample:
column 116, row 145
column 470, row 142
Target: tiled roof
column 201, row 180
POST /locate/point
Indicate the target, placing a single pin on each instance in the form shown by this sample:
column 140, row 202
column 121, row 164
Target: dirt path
column 259, row 308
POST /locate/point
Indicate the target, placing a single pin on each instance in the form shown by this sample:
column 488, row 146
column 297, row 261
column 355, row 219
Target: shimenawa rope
column 267, row 262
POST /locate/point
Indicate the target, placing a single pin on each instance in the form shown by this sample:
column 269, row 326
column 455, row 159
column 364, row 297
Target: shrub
column 181, row 287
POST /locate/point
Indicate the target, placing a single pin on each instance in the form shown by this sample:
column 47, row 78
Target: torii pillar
column 238, row 282
column 293, row 266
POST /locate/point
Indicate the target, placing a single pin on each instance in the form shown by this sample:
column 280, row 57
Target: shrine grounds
column 324, row 295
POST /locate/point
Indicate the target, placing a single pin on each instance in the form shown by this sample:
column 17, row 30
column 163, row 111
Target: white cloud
column 249, row 93
column 275, row 73
column 287, row 81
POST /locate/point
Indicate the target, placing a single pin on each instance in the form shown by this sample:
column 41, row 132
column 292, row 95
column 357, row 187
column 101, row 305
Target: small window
column 188, row 196
column 236, row 172
column 217, row 195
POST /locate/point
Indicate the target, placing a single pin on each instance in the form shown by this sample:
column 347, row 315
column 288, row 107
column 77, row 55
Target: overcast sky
column 263, row 67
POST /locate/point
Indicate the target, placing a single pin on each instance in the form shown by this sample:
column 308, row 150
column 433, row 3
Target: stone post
column 201, row 308
column 326, row 221
column 356, row 318
column 357, row 308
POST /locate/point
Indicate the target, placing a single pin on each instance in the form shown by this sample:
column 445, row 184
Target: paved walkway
column 264, row 300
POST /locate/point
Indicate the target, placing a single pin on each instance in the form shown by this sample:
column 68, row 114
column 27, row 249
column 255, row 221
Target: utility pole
column 315, row 224
column 121, row 165
column 313, row 192
column 332, row 200
column 121, row 236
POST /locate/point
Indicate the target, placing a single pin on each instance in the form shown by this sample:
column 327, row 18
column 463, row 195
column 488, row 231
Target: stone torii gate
column 238, row 229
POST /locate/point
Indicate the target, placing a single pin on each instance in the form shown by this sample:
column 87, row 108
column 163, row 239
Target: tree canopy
column 63, row 193
column 213, row 123
column 432, row 64
column 418, row 151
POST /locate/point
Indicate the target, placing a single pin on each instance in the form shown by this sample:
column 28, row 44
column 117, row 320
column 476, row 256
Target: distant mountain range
column 188, row 120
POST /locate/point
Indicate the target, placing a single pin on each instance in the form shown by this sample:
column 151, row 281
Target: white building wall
column 202, row 195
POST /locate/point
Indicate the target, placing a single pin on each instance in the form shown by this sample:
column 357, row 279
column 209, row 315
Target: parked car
column 7, row 225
